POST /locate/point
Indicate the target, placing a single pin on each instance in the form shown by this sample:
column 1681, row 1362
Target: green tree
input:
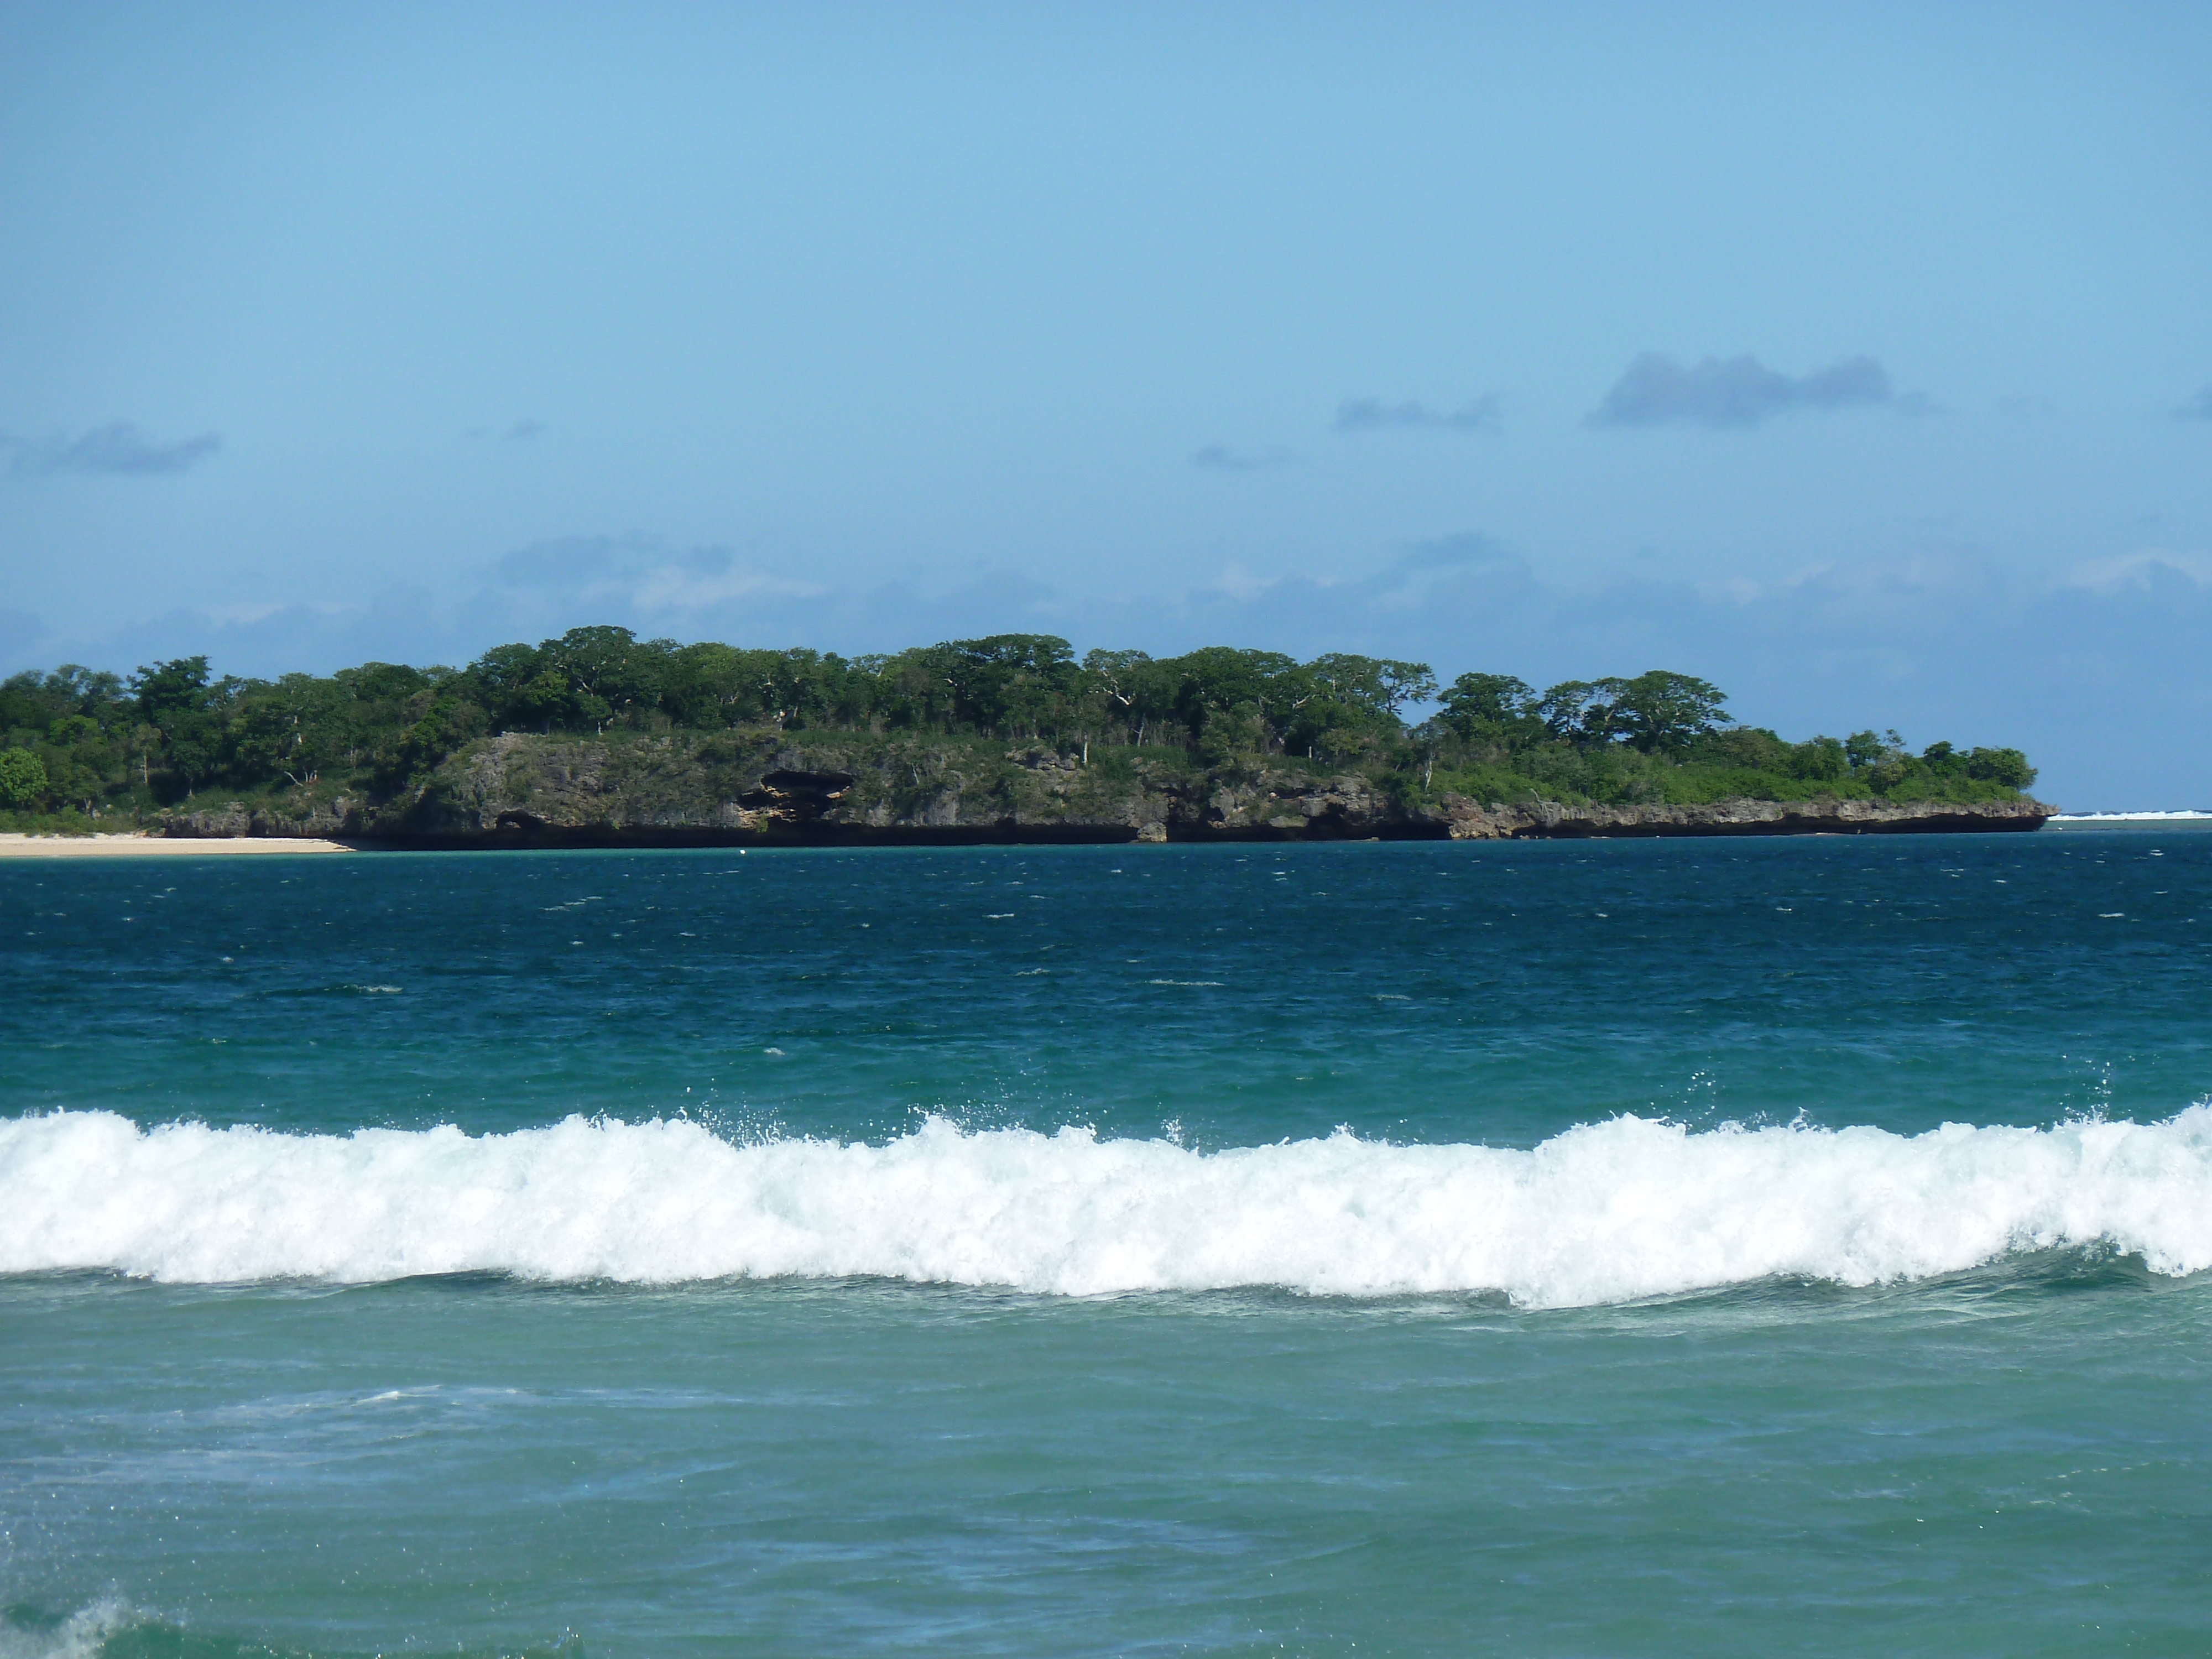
column 1130, row 689
column 23, row 705
column 1377, row 686
column 1241, row 699
column 1752, row 748
column 22, row 778
column 291, row 730
column 1822, row 760
column 1007, row 684
column 439, row 720
column 918, row 688
column 795, row 685
column 1486, row 704
column 179, row 702
column 1579, row 711
column 709, row 685
column 1348, row 703
column 1661, row 710
column 608, row 672
column 2006, row 767
column 173, row 688
column 372, row 700
column 501, row 674
column 1864, row 749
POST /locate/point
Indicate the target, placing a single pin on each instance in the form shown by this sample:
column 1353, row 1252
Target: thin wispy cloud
column 2145, row 569
column 640, row 576
column 2198, row 408
column 514, row 432
column 119, row 449
column 1373, row 415
column 1742, row 392
column 1220, row 458
column 1455, row 551
column 1240, row 582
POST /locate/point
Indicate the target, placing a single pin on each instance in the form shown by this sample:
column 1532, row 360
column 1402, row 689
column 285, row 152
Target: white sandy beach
column 72, row 846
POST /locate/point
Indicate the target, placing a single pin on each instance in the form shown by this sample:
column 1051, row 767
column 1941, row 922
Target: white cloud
column 2138, row 570
column 670, row 589
column 1241, row 582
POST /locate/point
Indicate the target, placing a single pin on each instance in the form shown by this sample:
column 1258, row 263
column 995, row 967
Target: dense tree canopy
column 77, row 740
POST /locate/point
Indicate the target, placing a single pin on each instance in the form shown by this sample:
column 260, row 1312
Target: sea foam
column 1607, row 1211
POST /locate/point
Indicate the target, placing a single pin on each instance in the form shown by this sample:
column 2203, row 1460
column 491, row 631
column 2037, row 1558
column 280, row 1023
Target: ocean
column 1684, row 1246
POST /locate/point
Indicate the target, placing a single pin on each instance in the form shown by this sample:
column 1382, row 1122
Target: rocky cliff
column 682, row 789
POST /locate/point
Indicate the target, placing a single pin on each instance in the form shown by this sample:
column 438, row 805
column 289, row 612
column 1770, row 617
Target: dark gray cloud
column 1220, row 458
column 118, row 448
column 2198, row 408
column 1373, row 415
column 1740, row 391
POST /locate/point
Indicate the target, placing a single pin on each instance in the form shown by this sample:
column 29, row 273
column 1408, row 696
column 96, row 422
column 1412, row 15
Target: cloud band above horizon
column 1737, row 391
column 118, row 448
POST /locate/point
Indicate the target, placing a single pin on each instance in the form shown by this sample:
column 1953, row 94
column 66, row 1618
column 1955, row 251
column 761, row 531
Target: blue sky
column 1857, row 358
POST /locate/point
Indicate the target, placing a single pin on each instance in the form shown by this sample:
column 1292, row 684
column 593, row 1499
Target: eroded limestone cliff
column 515, row 790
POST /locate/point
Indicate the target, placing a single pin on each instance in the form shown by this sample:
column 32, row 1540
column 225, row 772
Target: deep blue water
column 1670, row 1370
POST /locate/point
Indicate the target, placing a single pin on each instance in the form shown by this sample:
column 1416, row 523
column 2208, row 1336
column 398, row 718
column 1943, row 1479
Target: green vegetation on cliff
column 80, row 750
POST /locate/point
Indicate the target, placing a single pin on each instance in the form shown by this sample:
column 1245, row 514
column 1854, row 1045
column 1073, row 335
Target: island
column 600, row 738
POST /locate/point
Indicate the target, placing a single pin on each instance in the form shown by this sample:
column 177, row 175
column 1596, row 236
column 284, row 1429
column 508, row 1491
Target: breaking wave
column 1604, row 1213
column 110, row 1629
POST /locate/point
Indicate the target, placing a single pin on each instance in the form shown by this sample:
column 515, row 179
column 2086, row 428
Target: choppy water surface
column 1674, row 1247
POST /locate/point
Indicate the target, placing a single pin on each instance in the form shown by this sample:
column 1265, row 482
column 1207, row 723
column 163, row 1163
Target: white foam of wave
column 83, row 1635
column 1604, row 1213
column 2129, row 817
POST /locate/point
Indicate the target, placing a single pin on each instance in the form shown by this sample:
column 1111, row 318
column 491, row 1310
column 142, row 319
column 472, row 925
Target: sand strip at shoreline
column 67, row 846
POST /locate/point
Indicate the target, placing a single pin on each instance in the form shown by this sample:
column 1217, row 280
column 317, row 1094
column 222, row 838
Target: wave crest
column 1607, row 1211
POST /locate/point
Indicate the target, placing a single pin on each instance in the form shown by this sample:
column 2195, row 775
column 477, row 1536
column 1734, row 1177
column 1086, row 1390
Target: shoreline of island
column 233, row 829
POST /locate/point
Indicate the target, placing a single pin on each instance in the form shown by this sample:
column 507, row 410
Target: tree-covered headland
column 81, row 749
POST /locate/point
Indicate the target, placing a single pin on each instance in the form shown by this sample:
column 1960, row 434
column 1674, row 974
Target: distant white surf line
column 2185, row 815
column 1605, row 1213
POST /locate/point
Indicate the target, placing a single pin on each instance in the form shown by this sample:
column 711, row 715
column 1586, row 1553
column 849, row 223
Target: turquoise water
column 1553, row 1248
